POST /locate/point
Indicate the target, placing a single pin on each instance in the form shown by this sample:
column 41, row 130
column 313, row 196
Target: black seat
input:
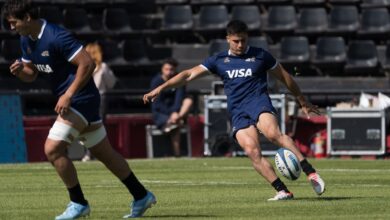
column 112, row 52
column 177, row 17
column 213, row 17
column 344, row 2
column 205, row 2
column 386, row 61
column 274, row 2
column 116, row 19
column 375, row 23
column 343, row 20
column 238, row 2
column 217, row 46
column 308, row 2
column 171, row 2
column 375, row 3
column 51, row 13
column 76, row 19
column 330, row 55
column 10, row 50
column 189, row 55
column 362, row 58
column 135, row 52
column 249, row 14
column 312, row 21
column 282, row 20
column 294, row 52
column 258, row 42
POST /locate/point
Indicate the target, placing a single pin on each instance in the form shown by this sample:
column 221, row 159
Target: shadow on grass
column 180, row 216
column 325, row 198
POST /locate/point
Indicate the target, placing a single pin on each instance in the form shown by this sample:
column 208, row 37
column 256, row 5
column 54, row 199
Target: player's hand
column 174, row 118
column 151, row 96
column 63, row 104
column 16, row 67
column 308, row 108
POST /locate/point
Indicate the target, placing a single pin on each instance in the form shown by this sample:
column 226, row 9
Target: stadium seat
column 386, row 60
column 10, row 50
column 112, row 52
column 274, row 2
column 135, row 52
column 249, row 14
column 330, row 55
column 309, row 2
column 375, row 3
column 213, row 17
column 171, row 2
column 362, row 58
column 217, row 46
column 205, row 2
column 237, row 2
column 258, row 42
column 343, row 20
column 294, row 52
column 312, row 21
column 116, row 19
column 76, row 19
column 177, row 17
column 189, row 55
column 51, row 13
column 344, row 2
column 375, row 23
column 282, row 20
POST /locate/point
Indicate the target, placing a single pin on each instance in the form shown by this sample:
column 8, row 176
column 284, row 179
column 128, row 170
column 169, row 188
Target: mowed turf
column 209, row 188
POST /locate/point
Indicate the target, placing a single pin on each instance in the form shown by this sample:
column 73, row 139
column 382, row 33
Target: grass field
column 210, row 188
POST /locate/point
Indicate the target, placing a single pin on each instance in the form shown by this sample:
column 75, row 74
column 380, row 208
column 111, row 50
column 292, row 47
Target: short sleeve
column 269, row 61
column 67, row 45
column 209, row 64
column 26, row 58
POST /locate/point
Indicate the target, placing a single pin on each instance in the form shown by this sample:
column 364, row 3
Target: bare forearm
column 27, row 74
column 83, row 74
column 177, row 81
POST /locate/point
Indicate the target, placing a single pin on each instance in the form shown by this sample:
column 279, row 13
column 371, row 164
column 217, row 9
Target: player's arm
column 180, row 79
column 281, row 74
column 24, row 71
column 85, row 67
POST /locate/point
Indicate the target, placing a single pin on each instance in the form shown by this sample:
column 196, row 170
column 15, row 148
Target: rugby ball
column 287, row 164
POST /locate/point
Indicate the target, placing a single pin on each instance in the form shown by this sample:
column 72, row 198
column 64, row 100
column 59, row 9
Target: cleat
column 73, row 211
column 282, row 195
column 317, row 182
column 140, row 206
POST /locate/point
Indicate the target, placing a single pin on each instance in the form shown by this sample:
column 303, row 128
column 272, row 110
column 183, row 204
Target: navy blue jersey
column 244, row 77
column 51, row 54
column 168, row 101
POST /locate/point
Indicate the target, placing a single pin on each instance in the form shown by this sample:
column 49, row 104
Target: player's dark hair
column 236, row 27
column 171, row 62
column 19, row 9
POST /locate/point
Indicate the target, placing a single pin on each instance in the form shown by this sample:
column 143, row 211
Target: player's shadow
column 180, row 216
column 335, row 198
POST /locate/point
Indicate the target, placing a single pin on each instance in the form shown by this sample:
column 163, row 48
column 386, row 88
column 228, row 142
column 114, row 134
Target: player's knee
column 274, row 137
column 53, row 154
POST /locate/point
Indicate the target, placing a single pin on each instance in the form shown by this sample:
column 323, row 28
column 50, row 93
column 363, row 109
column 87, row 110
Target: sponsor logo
column 239, row 73
column 226, row 60
column 45, row 53
column 252, row 59
column 45, row 68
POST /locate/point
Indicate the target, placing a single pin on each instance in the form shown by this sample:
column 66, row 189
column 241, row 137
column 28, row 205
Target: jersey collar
column 231, row 54
column 42, row 29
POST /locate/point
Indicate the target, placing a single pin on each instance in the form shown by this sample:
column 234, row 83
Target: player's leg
column 248, row 138
column 95, row 138
column 64, row 131
column 268, row 125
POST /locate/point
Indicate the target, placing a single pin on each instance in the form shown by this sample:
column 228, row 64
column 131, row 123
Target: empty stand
column 10, row 50
column 212, row 17
column 312, row 21
column 177, row 17
column 362, row 58
column 375, row 3
column 112, row 52
column 258, row 42
column 330, row 55
column 282, row 20
column 309, row 2
column 343, row 20
column 294, row 53
column 51, row 13
column 217, row 46
column 116, row 19
column 375, row 23
column 249, row 14
column 76, row 19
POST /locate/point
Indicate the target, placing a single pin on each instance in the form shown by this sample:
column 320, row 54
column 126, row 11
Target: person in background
column 104, row 80
column 172, row 107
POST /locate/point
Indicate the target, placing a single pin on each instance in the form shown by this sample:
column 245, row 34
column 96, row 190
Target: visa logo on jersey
column 239, row 73
column 43, row 68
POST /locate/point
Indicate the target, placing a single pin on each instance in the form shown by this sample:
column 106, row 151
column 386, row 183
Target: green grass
column 210, row 188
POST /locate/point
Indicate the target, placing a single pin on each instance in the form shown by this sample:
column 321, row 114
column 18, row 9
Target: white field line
column 322, row 170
